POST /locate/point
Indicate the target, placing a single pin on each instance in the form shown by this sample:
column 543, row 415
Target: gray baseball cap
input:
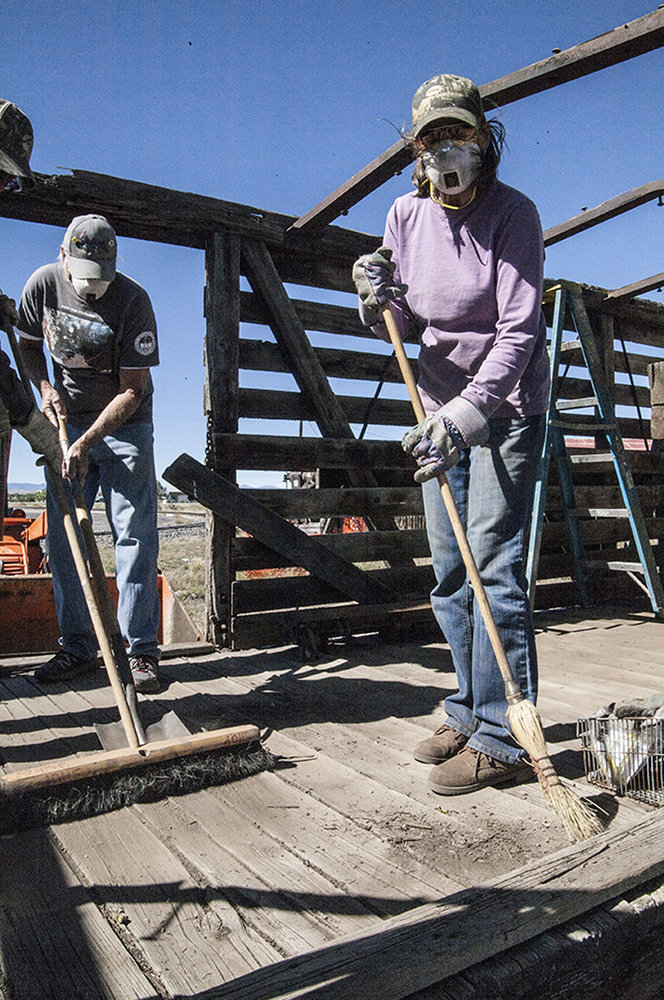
column 447, row 96
column 91, row 247
column 16, row 141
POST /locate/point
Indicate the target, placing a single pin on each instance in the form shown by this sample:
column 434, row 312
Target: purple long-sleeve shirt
column 474, row 297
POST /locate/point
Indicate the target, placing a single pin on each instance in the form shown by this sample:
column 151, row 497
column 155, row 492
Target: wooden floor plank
column 342, row 837
column 352, row 858
column 54, row 942
column 399, row 960
column 189, row 947
column 269, row 911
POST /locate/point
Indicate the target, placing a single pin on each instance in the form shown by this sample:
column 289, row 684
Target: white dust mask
column 90, row 287
column 452, row 169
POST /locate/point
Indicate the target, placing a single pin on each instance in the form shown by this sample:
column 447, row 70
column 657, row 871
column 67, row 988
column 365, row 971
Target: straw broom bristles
column 577, row 817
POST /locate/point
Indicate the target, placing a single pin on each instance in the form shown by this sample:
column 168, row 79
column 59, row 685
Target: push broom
column 578, row 818
column 142, row 764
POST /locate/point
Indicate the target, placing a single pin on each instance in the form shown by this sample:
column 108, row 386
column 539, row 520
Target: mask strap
column 443, row 204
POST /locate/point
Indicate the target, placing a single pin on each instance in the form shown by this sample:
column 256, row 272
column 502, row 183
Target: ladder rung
column 623, row 567
column 576, row 404
column 587, row 512
column 570, row 345
column 595, row 458
column 573, row 427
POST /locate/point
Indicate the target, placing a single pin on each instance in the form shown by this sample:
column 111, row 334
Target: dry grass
column 182, row 562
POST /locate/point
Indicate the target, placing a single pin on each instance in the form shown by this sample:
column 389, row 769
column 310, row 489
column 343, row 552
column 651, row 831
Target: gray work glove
column 5, row 424
column 43, row 438
column 373, row 274
column 7, row 310
column 438, row 440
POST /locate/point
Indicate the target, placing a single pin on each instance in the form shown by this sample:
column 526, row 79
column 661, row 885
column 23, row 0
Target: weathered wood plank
column 229, row 502
column 169, row 921
column 222, row 408
column 256, row 355
column 293, row 341
column 269, row 404
column 301, row 627
column 408, row 581
column 251, row 451
column 56, row 943
column 273, row 912
column 617, row 943
column 351, row 502
column 320, row 316
column 361, row 546
column 397, row 959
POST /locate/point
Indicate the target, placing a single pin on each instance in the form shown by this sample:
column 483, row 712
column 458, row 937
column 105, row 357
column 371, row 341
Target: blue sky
column 274, row 104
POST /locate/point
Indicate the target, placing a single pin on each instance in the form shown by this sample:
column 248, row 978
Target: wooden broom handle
column 100, row 607
column 512, row 689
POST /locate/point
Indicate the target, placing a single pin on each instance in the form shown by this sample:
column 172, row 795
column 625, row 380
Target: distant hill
column 25, row 487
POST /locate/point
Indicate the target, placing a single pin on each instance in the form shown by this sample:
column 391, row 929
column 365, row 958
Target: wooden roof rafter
column 623, row 42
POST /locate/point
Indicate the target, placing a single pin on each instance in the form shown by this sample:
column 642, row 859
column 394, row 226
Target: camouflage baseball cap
column 91, row 247
column 447, row 96
column 16, row 140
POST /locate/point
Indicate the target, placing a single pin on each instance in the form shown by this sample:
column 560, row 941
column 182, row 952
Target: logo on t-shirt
column 145, row 343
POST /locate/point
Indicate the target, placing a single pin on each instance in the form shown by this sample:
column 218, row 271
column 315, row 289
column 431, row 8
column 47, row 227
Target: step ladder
column 568, row 300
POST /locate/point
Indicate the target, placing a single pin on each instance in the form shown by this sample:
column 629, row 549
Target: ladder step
column 595, row 458
column 584, row 428
column 576, row 404
column 570, row 345
column 597, row 512
column 622, row 567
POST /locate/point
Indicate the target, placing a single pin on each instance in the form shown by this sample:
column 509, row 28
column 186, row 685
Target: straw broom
column 578, row 818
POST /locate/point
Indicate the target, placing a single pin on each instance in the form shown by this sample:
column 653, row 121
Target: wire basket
column 625, row 755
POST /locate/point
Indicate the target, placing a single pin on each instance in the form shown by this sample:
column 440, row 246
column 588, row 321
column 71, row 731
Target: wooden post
column 605, row 325
column 222, row 332
column 656, row 382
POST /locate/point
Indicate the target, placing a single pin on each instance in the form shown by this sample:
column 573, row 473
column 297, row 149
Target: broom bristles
column 579, row 820
column 107, row 792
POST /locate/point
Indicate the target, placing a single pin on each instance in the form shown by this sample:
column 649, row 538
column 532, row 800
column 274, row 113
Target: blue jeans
column 122, row 465
column 493, row 489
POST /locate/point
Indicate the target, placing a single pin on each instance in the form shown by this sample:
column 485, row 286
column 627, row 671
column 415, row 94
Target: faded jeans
column 122, row 465
column 493, row 489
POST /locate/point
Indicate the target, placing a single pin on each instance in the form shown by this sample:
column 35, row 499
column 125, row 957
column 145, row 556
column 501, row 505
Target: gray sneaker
column 445, row 743
column 145, row 674
column 63, row 667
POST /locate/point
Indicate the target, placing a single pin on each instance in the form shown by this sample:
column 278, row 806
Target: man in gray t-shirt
column 101, row 334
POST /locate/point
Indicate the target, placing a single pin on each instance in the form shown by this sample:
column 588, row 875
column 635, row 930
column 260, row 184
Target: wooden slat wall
column 370, row 478
column 270, row 607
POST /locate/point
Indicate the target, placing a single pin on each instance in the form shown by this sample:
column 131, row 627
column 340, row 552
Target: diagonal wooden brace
column 229, row 502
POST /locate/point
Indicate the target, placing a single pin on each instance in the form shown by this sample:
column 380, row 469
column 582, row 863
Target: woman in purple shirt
column 462, row 267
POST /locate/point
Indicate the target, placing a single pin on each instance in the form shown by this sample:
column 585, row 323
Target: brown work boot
column 470, row 769
column 445, row 743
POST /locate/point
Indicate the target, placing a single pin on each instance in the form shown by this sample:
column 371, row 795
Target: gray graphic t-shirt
column 89, row 343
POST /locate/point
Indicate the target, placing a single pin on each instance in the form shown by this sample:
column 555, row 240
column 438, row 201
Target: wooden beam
column 305, row 366
column 615, row 46
column 150, row 212
column 293, row 341
column 423, row 946
column 353, row 502
column 606, row 210
column 271, row 404
column 235, row 507
column 253, row 451
column 354, row 546
column 222, row 336
column 637, row 288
